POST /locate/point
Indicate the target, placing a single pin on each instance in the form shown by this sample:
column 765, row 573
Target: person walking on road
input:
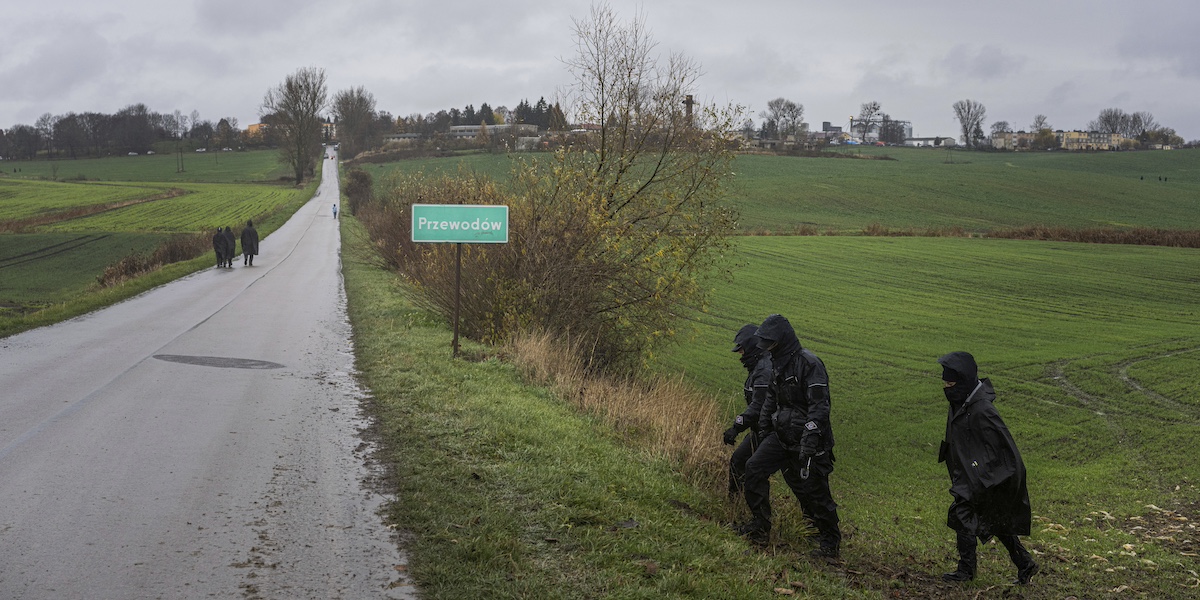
column 758, row 379
column 218, row 241
column 987, row 475
column 230, row 247
column 335, row 211
column 800, row 442
column 249, row 244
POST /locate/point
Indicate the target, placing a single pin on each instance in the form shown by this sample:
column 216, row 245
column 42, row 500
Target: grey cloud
column 70, row 59
column 984, row 64
column 240, row 17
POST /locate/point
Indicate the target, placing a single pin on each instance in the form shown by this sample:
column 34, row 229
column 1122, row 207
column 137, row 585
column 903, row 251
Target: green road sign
column 460, row 223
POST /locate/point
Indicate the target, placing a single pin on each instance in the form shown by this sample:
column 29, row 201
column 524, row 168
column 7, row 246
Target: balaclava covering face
column 960, row 368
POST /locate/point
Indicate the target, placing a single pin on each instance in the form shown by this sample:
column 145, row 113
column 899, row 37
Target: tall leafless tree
column 354, row 110
column 297, row 103
column 1040, row 122
column 866, row 115
column 1110, row 120
column 970, row 115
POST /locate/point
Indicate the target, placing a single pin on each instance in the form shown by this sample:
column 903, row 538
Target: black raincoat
column 219, row 246
column 987, row 475
column 250, row 240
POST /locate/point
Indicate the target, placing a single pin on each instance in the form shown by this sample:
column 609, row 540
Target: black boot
column 1026, row 573
column 1026, row 567
column 755, row 532
column 966, row 559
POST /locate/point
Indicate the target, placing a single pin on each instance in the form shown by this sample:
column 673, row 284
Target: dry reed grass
column 664, row 416
column 176, row 249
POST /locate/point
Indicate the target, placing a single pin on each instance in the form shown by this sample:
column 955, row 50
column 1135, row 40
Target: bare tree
column 866, row 114
column 786, row 116
column 1001, row 127
column 297, row 103
column 1139, row 123
column 45, row 130
column 354, row 110
column 1040, row 122
column 1110, row 120
column 970, row 115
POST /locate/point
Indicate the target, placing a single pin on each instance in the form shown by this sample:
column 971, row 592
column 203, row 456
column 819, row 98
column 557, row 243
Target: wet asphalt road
column 199, row 441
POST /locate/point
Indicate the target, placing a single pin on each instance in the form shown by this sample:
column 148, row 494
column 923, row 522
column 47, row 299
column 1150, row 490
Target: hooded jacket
column 250, row 239
column 987, row 475
column 797, row 404
column 758, row 377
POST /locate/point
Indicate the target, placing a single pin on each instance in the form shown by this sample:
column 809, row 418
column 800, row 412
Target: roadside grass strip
column 505, row 491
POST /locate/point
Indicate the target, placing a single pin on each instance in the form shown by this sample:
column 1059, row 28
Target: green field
column 205, row 206
column 21, row 199
column 39, row 269
column 1093, row 349
column 213, row 167
column 1063, row 330
column 978, row 191
column 65, row 243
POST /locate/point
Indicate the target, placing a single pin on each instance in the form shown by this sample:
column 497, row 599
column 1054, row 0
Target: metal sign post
column 459, row 224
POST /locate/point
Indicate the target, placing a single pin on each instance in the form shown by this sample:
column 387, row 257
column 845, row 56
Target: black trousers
column 967, row 542
column 813, row 493
column 737, row 463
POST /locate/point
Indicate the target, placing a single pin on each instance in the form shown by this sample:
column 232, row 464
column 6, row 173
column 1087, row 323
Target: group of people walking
column 225, row 246
column 787, row 415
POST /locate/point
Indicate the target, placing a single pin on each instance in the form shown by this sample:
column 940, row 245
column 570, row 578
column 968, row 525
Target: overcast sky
column 1067, row 59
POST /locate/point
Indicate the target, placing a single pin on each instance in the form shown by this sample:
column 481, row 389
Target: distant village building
column 1067, row 140
column 472, row 131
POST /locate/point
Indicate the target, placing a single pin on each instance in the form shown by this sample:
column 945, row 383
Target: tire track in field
column 1122, row 373
column 1110, row 411
column 41, row 254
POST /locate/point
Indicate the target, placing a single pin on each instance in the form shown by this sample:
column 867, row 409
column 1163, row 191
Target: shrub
column 358, row 189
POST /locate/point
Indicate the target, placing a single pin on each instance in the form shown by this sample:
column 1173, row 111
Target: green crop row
column 20, row 199
column 206, row 206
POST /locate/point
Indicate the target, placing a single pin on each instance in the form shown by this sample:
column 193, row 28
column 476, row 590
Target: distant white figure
column 335, row 211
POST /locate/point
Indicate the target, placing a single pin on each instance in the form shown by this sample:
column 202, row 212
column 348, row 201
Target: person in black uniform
column 218, row 241
column 230, row 247
column 987, row 475
column 249, row 244
column 800, row 442
column 758, row 378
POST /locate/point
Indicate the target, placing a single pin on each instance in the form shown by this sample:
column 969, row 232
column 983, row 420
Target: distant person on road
column 758, row 379
column 249, row 244
column 799, row 442
column 219, row 247
column 335, row 211
column 987, row 475
column 230, row 247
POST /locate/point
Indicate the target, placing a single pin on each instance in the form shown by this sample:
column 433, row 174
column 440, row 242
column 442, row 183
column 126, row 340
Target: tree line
column 1140, row 128
column 134, row 128
column 543, row 114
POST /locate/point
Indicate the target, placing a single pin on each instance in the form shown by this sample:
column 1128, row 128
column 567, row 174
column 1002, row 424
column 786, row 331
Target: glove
column 731, row 436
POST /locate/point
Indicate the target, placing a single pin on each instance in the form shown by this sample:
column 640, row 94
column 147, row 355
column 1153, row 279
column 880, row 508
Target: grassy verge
column 505, row 491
